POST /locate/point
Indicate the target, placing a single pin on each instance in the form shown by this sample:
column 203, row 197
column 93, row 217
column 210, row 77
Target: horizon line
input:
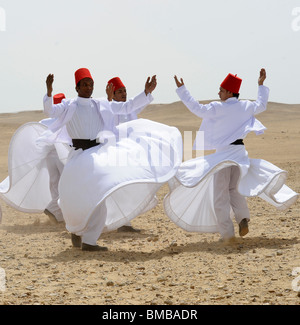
column 151, row 104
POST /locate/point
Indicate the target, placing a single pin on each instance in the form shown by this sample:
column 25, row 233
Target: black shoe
column 243, row 227
column 128, row 229
column 76, row 240
column 93, row 248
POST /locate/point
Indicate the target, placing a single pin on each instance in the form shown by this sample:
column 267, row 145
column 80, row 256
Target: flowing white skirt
column 190, row 202
column 124, row 174
column 26, row 188
column 146, row 158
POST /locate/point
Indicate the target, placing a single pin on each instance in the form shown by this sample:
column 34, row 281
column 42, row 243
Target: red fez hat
column 81, row 74
column 58, row 98
column 232, row 83
column 117, row 83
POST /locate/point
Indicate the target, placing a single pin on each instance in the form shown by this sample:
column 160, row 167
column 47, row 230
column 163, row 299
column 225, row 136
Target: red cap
column 232, row 83
column 81, row 74
column 117, row 83
column 58, row 98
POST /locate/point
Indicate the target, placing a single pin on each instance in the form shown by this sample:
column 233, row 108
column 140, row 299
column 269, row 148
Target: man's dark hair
column 235, row 95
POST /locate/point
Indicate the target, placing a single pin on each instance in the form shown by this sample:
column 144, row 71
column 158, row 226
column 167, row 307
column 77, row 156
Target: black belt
column 238, row 141
column 84, row 143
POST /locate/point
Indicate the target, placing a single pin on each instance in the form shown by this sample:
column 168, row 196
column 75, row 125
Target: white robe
column 26, row 188
column 190, row 202
column 106, row 186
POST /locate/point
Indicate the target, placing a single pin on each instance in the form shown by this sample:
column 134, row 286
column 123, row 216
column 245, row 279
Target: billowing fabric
column 124, row 174
column 190, row 202
column 26, row 188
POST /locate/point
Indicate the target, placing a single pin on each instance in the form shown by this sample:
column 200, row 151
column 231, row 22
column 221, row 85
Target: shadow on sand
column 240, row 246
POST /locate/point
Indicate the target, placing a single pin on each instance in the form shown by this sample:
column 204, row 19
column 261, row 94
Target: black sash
column 84, row 143
column 238, row 142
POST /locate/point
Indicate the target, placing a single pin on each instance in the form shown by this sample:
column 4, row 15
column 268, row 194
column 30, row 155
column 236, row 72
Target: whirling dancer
column 113, row 172
column 34, row 171
column 207, row 189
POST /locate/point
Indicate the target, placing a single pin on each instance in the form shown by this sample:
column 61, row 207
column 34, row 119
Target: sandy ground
column 162, row 265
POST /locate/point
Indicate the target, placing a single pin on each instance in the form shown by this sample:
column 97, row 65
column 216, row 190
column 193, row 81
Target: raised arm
column 192, row 104
column 178, row 83
column 150, row 85
column 110, row 92
column 262, row 77
column 260, row 105
column 50, row 109
column 49, row 84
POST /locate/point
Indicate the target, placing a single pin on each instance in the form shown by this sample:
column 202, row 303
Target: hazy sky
column 200, row 41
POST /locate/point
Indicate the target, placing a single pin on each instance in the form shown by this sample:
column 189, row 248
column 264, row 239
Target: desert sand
column 163, row 264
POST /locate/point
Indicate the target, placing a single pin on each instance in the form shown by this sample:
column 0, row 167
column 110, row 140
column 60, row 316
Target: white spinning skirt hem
column 190, row 202
column 26, row 188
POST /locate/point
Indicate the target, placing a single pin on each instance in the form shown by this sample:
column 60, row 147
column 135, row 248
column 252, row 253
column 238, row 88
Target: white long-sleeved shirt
column 225, row 122
column 100, row 115
column 86, row 121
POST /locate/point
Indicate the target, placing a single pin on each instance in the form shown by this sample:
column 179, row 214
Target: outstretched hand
column 150, row 85
column 110, row 91
column 262, row 77
column 49, row 83
column 178, row 83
